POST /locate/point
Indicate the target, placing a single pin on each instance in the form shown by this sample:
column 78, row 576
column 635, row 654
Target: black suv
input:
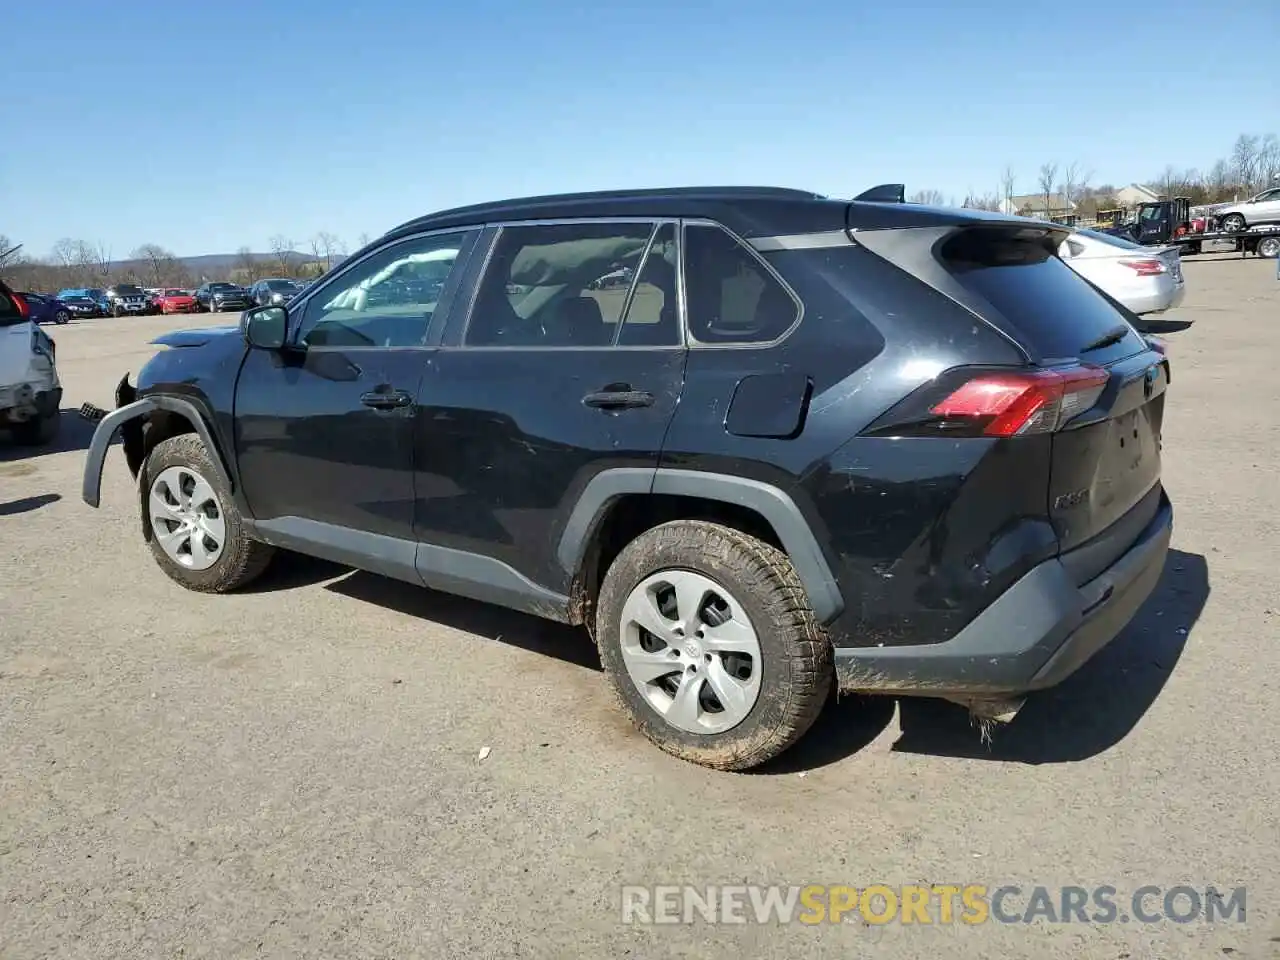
column 127, row 298
column 811, row 442
column 216, row 297
column 274, row 290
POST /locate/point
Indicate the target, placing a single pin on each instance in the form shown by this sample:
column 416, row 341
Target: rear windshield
column 1057, row 313
column 1111, row 240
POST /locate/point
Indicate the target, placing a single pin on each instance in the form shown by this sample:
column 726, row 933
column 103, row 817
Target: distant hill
column 215, row 266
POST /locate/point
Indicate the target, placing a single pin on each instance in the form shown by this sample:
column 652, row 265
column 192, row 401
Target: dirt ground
column 293, row 771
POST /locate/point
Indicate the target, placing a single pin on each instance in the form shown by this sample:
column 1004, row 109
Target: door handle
column 624, row 399
column 386, row 399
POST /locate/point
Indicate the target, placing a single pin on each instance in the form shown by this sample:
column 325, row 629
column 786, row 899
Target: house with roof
column 1035, row 205
column 1135, row 193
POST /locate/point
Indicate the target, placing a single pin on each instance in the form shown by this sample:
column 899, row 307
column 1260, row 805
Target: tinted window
column 557, row 285
column 1056, row 311
column 732, row 297
column 280, row 286
column 128, row 290
column 386, row 300
column 651, row 319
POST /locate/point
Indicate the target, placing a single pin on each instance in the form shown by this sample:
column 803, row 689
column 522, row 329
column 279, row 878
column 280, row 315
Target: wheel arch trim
column 109, row 426
column 775, row 506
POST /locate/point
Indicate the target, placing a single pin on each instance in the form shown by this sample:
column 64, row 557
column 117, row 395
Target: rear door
column 553, row 377
column 1106, row 455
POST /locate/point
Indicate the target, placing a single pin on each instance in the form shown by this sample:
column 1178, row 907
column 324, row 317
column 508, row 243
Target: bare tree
column 160, row 265
column 1244, row 160
column 1268, row 162
column 10, row 252
column 1048, row 179
column 930, row 197
column 246, row 266
column 986, row 201
column 1007, row 182
column 326, row 247
column 1075, row 178
column 282, row 250
column 363, row 241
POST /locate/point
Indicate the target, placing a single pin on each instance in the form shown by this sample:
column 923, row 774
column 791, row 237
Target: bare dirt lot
column 293, row 771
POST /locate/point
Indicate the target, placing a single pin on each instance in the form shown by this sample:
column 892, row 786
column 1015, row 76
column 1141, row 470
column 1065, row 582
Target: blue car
column 83, row 302
column 46, row 309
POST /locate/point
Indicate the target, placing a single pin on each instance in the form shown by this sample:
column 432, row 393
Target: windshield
column 65, row 294
column 222, row 286
column 175, row 293
column 1110, row 240
column 281, row 286
column 128, row 290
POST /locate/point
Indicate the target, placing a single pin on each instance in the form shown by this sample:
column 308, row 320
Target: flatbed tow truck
column 1164, row 222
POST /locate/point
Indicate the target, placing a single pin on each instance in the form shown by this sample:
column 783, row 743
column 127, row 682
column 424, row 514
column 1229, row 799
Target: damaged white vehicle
column 30, row 391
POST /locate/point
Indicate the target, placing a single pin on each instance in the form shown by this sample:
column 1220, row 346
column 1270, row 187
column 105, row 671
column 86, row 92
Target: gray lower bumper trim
column 1034, row 636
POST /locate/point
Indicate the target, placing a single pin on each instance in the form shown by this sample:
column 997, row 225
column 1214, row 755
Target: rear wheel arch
column 621, row 504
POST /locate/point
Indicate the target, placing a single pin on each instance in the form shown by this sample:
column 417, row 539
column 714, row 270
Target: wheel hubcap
column 186, row 518
column 691, row 651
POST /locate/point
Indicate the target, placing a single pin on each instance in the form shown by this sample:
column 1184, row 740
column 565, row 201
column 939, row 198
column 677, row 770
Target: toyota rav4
column 808, row 444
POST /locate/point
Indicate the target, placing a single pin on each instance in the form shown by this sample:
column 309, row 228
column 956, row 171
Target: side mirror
column 266, row 327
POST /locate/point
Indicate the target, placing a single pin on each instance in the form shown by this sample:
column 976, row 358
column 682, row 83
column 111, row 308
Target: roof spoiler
column 885, row 193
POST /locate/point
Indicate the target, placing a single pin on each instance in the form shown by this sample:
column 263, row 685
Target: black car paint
column 901, row 542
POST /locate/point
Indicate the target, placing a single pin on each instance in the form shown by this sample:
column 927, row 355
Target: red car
column 175, row 301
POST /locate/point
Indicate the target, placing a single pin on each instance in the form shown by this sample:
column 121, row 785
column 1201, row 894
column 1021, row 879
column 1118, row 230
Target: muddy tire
column 710, row 646
column 39, row 432
column 195, row 529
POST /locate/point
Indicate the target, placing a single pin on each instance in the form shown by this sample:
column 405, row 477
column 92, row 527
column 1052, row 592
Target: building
column 1135, row 193
column 1033, row 205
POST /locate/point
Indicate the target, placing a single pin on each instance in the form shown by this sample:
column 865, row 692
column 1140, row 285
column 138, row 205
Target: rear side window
column 1057, row 313
column 732, row 296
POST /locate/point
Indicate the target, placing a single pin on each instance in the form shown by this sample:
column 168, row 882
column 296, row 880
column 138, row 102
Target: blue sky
column 205, row 127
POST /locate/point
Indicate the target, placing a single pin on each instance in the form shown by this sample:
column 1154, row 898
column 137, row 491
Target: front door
column 324, row 431
column 571, row 362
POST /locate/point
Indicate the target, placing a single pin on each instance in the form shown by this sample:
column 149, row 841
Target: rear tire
column 61, row 318
column 750, row 668
column 1269, row 247
column 39, row 432
column 196, row 532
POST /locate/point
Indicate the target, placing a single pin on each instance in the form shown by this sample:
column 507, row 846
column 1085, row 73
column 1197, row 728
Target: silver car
column 1264, row 208
column 1144, row 279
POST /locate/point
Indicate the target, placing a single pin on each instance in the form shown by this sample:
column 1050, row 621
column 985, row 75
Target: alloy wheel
column 187, row 518
column 692, row 651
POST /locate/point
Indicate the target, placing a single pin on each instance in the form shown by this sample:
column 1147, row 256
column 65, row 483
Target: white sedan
column 1144, row 279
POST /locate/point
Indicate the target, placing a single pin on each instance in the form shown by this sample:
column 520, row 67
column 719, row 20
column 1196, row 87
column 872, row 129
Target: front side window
column 386, row 300
column 564, row 285
column 732, row 296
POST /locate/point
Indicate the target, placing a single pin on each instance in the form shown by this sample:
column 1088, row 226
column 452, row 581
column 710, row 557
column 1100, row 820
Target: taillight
column 1015, row 404
column 21, row 305
column 1145, row 268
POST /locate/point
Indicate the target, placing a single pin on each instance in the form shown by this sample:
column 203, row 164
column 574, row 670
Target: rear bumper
column 1034, row 636
column 1165, row 298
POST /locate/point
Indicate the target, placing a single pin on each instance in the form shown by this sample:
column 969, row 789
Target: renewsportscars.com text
column 938, row 903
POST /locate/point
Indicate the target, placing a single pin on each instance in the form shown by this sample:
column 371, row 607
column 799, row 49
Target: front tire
column 1233, row 223
column 710, row 646
column 196, row 532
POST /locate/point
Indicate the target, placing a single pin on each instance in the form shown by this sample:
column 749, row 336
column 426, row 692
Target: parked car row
column 124, row 299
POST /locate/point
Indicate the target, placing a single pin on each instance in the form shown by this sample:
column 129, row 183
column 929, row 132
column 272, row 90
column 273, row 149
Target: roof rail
column 884, row 193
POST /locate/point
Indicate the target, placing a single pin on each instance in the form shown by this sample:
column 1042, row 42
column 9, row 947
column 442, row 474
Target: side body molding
column 773, row 504
column 91, row 488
